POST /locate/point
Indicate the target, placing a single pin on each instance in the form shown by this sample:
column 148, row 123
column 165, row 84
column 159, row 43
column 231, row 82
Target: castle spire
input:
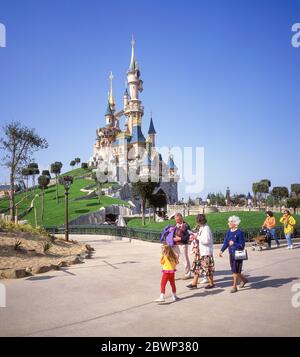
column 151, row 126
column 110, row 94
column 132, row 61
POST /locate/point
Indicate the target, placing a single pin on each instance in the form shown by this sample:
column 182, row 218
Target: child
column 169, row 260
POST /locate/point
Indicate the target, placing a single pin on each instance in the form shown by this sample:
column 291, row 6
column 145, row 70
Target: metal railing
column 153, row 236
column 108, row 230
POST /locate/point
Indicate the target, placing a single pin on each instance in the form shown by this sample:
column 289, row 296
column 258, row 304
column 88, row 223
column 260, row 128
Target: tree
column 46, row 173
column 84, row 165
column 190, row 202
column 25, row 173
column 295, row 188
column 56, row 170
column 259, row 188
column 33, row 171
column 157, row 201
column 72, row 163
column 19, row 143
column 77, row 160
column 293, row 202
column 43, row 182
column 100, row 178
column 144, row 190
column 239, row 200
column 264, row 186
column 255, row 191
column 280, row 192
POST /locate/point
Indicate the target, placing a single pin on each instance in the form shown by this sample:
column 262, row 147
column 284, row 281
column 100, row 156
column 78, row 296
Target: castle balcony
column 134, row 107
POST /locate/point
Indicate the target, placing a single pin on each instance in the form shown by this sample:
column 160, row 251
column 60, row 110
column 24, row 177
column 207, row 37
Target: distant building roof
column 4, row 187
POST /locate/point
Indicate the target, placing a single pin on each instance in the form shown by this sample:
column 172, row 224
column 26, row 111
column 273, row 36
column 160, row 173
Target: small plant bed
column 26, row 251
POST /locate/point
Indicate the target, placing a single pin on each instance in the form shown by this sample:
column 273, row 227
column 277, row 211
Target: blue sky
column 218, row 74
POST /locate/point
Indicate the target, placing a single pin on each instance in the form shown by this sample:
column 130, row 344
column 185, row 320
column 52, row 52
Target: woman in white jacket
column 202, row 246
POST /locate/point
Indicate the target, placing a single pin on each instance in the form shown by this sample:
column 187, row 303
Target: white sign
column 296, row 37
column 296, row 296
column 2, row 35
column 2, row 295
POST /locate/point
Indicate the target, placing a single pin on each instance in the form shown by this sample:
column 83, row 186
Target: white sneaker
column 288, row 247
column 291, row 247
column 204, row 281
column 175, row 297
column 160, row 299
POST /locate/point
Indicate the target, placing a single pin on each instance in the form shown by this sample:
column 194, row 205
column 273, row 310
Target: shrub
column 46, row 246
column 17, row 244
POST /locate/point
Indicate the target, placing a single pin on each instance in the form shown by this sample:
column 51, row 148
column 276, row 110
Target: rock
column 13, row 273
column 74, row 260
column 54, row 266
column 28, row 271
column 63, row 264
column 89, row 248
column 41, row 269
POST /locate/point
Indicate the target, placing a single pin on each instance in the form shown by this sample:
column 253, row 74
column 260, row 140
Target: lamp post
column 67, row 182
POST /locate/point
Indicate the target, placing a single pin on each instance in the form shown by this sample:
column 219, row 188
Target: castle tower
column 125, row 99
column 151, row 133
column 109, row 116
column 172, row 168
column 134, row 110
column 110, row 119
column 111, row 99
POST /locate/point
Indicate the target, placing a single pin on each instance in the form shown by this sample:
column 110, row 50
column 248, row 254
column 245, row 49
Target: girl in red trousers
column 169, row 260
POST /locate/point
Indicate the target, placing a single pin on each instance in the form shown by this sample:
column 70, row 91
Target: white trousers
column 182, row 251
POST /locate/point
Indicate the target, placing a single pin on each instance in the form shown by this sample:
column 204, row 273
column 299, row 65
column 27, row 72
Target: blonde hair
column 169, row 253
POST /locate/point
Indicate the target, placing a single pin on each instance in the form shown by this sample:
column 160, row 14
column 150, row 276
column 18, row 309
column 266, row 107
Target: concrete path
column 111, row 295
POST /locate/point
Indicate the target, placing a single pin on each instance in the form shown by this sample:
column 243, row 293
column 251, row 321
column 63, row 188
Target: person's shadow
column 201, row 293
column 257, row 282
column 273, row 283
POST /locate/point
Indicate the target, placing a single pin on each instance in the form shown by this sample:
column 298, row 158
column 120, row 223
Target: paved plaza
column 112, row 295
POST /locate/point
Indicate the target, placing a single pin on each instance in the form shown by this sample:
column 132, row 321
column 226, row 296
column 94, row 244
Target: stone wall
column 98, row 217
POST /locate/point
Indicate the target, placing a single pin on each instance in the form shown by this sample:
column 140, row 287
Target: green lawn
column 77, row 172
column 55, row 213
column 217, row 221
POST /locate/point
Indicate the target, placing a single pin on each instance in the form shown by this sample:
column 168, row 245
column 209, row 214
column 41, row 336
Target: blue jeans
column 288, row 237
column 273, row 234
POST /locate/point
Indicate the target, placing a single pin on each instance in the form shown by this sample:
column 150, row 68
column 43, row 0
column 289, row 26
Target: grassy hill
column 217, row 221
column 55, row 213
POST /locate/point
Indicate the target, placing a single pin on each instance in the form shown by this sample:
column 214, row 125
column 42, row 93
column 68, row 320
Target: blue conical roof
column 108, row 110
column 171, row 163
column 151, row 128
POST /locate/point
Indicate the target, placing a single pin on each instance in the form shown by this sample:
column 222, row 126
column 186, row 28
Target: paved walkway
column 111, row 295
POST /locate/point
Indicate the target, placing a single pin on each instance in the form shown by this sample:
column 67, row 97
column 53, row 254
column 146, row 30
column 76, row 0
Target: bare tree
column 18, row 143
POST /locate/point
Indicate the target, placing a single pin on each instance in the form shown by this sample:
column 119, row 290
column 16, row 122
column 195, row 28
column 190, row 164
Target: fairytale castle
column 127, row 154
